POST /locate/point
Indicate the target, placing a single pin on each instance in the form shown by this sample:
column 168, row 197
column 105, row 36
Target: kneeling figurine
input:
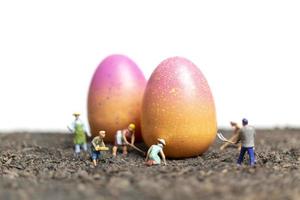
column 152, row 157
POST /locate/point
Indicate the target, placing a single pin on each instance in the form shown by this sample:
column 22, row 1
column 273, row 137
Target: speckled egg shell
column 178, row 106
column 115, row 96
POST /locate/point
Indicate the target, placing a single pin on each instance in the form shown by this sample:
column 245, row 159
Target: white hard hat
column 162, row 141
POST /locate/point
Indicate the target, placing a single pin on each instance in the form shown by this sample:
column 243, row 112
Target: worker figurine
column 234, row 137
column 77, row 127
column 246, row 136
column 122, row 137
column 98, row 146
column 152, row 157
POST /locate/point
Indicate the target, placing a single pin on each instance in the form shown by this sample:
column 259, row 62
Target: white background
column 249, row 52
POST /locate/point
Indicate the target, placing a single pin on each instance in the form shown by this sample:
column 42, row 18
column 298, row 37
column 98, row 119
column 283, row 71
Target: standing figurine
column 152, row 157
column 234, row 137
column 246, row 136
column 121, row 139
column 77, row 127
column 98, row 146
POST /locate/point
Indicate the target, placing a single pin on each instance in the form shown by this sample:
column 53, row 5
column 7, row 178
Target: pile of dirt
column 42, row 166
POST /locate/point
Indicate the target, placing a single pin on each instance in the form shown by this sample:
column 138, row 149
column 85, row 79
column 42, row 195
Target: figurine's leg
column 98, row 155
column 239, row 146
column 94, row 158
column 155, row 163
column 254, row 155
column 77, row 148
column 84, row 146
column 224, row 145
column 241, row 157
column 114, row 150
column 95, row 162
column 251, row 156
column 150, row 162
column 125, row 150
column 232, row 139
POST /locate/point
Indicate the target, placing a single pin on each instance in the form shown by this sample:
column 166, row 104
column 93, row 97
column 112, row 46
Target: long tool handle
column 136, row 148
column 221, row 137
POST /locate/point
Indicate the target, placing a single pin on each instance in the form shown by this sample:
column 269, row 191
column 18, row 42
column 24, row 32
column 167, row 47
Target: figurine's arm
column 236, row 129
column 124, row 137
column 88, row 134
column 133, row 138
column 238, row 137
column 71, row 127
column 163, row 157
column 86, row 130
column 235, row 126
column 93, row 142
column 102, row 143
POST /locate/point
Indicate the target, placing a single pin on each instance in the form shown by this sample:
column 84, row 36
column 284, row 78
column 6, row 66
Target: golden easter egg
column 178, row 106
column 115, row 96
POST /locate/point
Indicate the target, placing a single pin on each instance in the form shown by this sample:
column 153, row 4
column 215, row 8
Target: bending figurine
column 234, row 137
column 122, row 137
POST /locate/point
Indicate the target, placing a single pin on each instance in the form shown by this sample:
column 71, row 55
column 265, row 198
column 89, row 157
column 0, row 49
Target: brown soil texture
column 42, row 166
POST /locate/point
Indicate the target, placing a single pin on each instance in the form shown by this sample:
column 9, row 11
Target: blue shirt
column 154, row 151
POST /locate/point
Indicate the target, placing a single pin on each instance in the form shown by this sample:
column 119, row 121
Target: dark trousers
column 250, row 151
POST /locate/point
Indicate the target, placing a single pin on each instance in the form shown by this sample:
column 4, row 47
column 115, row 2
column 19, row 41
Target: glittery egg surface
column 178, row 106
column 115, row 96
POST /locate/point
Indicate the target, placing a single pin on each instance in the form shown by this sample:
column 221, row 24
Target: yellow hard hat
column 76, row 113
column 131, row 127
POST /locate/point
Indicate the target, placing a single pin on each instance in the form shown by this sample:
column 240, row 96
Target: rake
column 221, row 137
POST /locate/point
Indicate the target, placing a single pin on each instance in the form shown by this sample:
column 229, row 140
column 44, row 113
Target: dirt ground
column 42, row 166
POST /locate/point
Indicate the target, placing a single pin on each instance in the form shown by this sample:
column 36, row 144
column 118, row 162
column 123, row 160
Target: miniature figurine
column 233, row 138
column 98, row 146
column 121, row 139
column 247, row 136
column 152, row 157
column 77, row 127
